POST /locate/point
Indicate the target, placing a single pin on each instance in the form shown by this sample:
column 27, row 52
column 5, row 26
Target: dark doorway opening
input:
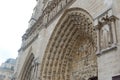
column 93, row 78
column 116, row 77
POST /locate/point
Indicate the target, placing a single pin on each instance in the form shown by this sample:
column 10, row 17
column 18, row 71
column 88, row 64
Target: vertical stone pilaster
column 98, row 41
column 98, row 36
column 113, row 33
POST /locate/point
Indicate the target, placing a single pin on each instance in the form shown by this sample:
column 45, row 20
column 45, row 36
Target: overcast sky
column 14, row 17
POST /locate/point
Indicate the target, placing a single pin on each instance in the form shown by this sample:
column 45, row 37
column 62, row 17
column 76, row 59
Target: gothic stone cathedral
column 71, row 40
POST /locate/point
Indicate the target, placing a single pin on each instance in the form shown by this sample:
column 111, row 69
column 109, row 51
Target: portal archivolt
column 70, row 54
column 30, row 68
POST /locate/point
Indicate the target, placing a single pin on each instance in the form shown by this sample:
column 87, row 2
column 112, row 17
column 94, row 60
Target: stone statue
column 106, row 36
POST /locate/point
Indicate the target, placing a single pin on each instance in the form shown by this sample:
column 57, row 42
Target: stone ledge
column 113, row 47
column 29, row 43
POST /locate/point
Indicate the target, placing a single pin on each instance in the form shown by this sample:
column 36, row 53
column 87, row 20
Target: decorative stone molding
column 49, row 14
column 105, row 26
column 26, row 43
column 52, row 8
column 66, row 49
column 30, row 69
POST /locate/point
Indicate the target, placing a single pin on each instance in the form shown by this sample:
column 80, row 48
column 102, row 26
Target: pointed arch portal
column 30, row 68
column 70, row 54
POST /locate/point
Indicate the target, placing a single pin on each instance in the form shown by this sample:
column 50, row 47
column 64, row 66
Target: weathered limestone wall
column 95, row 10
column 37, row 47
column 108, row 63
column 94, row 7
column 116, row 10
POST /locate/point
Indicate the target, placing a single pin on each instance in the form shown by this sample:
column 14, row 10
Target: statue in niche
column 105, row 36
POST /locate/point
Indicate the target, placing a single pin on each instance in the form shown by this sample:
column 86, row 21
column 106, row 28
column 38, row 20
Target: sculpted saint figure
column 106, row 37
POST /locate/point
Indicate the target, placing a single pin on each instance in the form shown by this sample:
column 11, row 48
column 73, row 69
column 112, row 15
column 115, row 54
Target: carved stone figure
column 106, row 32
column 106, row 36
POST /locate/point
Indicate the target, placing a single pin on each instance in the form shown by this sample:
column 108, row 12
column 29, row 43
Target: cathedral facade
column 71, row 40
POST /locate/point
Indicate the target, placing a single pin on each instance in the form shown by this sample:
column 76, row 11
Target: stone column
column 98, row 41
column 38, row 69
column 113, row 26
column 97, row 28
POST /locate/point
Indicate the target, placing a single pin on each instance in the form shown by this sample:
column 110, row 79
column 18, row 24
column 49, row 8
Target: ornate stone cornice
column 44, row 20
column 41, row 21
column 26, row 45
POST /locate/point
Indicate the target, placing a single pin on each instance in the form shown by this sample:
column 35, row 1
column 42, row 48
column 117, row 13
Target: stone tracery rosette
column 105, row 26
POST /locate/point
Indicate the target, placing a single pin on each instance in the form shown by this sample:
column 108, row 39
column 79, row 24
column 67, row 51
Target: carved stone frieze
column 52, row 9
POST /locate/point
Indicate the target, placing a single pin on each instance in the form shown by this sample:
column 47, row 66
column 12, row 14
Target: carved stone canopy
column 105, row 20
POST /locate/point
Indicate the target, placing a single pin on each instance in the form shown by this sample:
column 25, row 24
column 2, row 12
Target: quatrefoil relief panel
column 106, row 32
